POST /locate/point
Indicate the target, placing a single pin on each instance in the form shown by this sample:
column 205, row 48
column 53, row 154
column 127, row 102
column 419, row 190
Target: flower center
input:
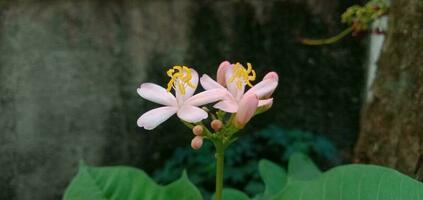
column 241, row 75
column 180, row 77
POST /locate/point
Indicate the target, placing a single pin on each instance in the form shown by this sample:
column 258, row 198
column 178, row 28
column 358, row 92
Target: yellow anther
column 180, row 77
column 241, row 75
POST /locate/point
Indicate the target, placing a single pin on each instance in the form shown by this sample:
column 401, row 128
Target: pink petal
column 232, row 87
column 266, row 102
column 247, row 108
column 230, row 106
column 208, row 83
column 189, row 91
column 266, row 87
column 221, row 71
column 206, row 97
column 156, row 94
column 153, row 118
column 192, row 114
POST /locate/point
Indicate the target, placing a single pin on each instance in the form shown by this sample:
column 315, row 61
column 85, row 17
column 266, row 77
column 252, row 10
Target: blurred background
column 69, row 72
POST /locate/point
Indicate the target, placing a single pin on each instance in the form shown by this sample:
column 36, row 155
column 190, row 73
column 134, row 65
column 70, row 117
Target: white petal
column 265, row 102
column 153, row 118
column 192, row 114
column 230, row 106
column 156, row 94
column 264, row 88
column 206, row 97
column 208, row 83
column 189, row 91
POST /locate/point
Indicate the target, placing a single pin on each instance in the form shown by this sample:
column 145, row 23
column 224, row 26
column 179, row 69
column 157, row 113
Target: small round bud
column 197, row 142
column 198, row 130
column 216, row 125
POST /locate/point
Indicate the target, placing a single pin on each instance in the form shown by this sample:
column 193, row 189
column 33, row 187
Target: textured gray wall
column 68, row 77
column 69, row 70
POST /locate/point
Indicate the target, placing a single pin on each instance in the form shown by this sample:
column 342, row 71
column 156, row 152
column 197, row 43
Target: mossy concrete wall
column 69, row 72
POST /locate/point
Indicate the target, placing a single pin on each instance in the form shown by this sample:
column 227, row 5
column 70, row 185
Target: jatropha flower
column 184, row 81
column 235, row 77
column 228, row 91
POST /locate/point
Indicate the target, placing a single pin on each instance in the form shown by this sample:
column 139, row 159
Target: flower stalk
column 220, row 158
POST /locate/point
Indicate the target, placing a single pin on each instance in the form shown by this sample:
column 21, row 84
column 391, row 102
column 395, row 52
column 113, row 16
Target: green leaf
column 355, row 182
column 232, row 194
column 300, row 167
column 274, row 178
column 126, row 183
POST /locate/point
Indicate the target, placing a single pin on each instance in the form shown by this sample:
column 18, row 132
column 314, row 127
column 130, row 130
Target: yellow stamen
column 180, row 77
column 241, row 75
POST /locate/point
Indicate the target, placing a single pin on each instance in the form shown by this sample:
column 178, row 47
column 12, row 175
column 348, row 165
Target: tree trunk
column 392, row 121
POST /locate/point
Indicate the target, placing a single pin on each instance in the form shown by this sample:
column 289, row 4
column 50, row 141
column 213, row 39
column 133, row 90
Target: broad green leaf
column 274, row 178
column 126, row 183
column 355, row 182
column 232, row 194
column 300, row 167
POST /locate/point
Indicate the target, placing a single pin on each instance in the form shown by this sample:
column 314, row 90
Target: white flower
column 184, row 81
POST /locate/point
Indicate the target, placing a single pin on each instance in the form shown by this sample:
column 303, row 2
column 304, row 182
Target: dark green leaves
column 274, row 178
column 303, row 181
column 232, row 194
column 355, row 182
column 125, row 183
column 300, row 167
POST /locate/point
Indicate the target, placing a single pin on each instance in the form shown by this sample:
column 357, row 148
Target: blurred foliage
column 241, row 159
column 358, row 18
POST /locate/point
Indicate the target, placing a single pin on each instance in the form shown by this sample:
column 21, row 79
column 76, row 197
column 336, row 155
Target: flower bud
column 247, row 108
column 198, row 130
column 216, row 125
column 197, row 142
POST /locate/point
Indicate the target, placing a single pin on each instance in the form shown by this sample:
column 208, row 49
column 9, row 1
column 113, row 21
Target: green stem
column 220, row 154
column 328, row 40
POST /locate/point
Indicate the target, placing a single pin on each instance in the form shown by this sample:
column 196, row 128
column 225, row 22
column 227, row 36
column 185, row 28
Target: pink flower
column 184, row 81
column 235, row 77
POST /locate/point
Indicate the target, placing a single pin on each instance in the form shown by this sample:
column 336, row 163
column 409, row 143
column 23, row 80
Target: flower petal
column 221, row 71
column 191, row 114
column 246, row 110
column 208, row 83
column 266, row 87
column 232, row 87
column 208, row 96
column 265, row 102
column 156, row 94
column 189, row 91
column 230, row 106
column 153, row 118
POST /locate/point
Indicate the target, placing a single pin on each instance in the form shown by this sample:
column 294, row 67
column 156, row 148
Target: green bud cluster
column 360, row 17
